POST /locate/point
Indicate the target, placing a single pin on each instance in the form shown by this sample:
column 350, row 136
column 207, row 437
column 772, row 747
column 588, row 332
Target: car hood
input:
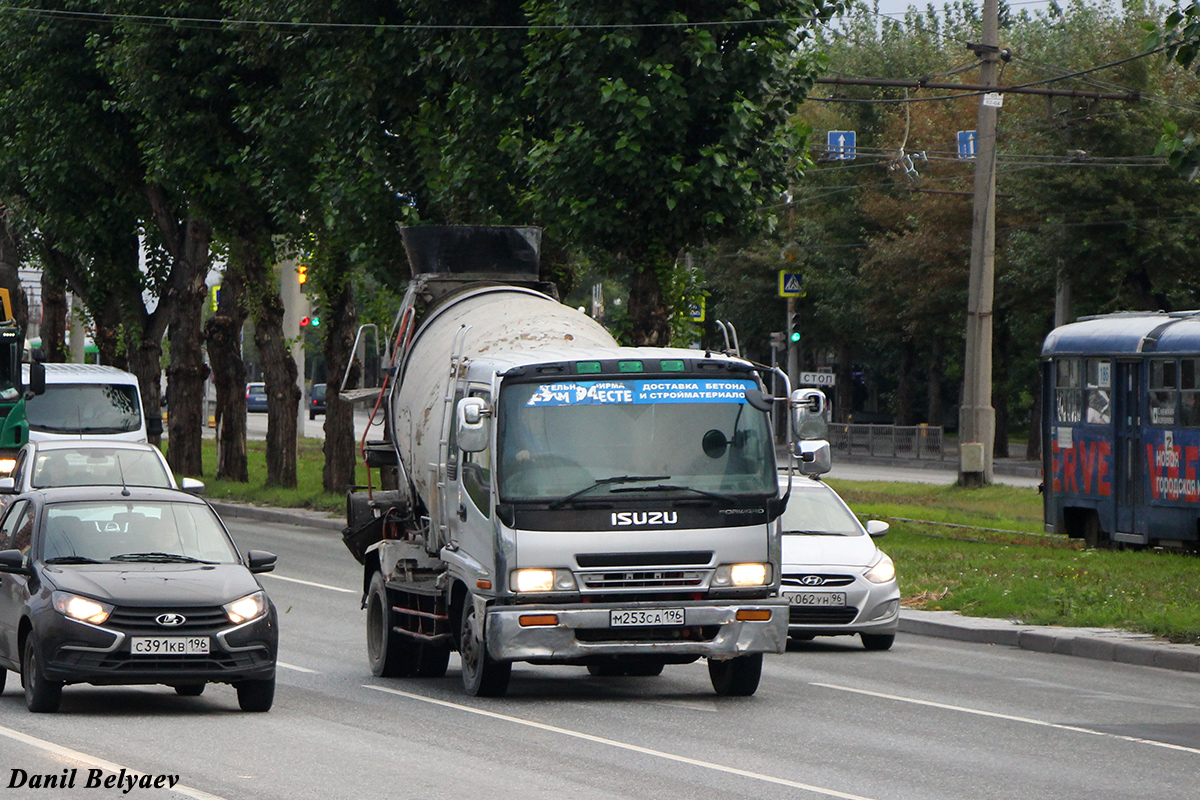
column 137, row 584
column 815, row 550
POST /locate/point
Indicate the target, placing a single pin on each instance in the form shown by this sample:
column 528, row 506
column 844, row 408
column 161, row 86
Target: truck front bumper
column 710, row 629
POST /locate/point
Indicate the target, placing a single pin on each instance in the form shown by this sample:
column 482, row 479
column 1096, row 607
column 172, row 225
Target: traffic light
column 314, row 321
column 794, row 328
column 305, row 321
column 301, row 274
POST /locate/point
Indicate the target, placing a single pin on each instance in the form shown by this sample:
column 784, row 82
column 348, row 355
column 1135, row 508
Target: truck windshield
column 85, row 408
column 692, row 435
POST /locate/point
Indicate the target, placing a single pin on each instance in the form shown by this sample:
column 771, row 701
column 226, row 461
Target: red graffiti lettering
column 1087, row 459
column 1191, row 454
column 1055, row 467
column 1154, row 471
column 1070, row 479
column 1103, row 482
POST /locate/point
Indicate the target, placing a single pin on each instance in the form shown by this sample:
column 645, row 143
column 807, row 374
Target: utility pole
column 976, row 417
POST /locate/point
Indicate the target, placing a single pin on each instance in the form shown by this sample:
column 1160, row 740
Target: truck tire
column 432, row 660
column 482, row 676
column 736, row 677
column 391, row 655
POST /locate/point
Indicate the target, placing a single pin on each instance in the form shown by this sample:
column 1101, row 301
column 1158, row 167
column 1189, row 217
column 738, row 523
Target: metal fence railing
column 888, row 441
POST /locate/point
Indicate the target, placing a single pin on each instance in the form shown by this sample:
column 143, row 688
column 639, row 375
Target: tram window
column 1068, row 400
column 1189, row 392
column 1098, row 392
column 1164, row 386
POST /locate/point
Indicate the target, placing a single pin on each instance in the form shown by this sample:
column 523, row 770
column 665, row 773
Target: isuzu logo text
column 623, row 518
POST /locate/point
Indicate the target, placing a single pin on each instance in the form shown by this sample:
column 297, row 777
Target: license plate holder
column 818, row 599
column 169, row 645
column 644, row 617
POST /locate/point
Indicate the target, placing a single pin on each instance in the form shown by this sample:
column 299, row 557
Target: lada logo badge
column 170, row 620
column 812, row 580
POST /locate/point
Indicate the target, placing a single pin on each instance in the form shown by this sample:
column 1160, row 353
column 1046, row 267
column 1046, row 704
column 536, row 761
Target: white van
column 86, row 401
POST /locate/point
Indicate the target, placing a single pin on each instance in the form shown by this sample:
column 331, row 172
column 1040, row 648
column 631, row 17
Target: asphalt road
column 929, row 719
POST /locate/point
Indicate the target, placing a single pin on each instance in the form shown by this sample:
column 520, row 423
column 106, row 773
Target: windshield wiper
column 160, row 557
column 665, row 487
column 605, row 482
column 71, row 560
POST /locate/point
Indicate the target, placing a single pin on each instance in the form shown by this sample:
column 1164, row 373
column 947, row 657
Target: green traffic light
column 316, row 322
column 795, row 336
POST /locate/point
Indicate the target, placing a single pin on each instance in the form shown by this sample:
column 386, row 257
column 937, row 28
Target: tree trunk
column 906, row 390
column 223, row 337
column 338, row 473
column 1033, row 448
column 53, row 329
column 845, row 384
column 187, row 370
column 647, row 316
column 279, row 373
column 934, row 412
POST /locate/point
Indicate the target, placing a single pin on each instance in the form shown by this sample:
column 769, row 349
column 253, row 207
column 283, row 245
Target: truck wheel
column 432, row 660
column 644, row 669
column 736, row 677
column 3, row 678
column 482, row 676
column 41, row 695
column 391, row 655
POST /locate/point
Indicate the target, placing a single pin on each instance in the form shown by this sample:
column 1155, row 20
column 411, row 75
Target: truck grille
column 642, row 579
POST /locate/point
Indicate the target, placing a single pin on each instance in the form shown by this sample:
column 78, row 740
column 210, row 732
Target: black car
column 127, row 585
column 316, row 400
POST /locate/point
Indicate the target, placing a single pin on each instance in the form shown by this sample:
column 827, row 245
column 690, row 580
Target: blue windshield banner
column 640, row 392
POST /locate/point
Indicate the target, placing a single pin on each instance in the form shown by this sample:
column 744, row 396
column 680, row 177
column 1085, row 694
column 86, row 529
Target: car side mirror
column 8, row 485
column 13, row 561
column 814, row 456
column 189, row 485
column 260, row 561
column 877, row 528
column 37, row 380
column 154, row 426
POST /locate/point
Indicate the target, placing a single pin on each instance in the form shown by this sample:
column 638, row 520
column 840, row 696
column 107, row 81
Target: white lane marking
column 99, row 763
column 285, row 665
column 996, row 715
column 310, row 583
column 622, row 745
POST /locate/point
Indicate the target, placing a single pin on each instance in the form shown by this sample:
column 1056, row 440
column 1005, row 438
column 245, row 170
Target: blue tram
column 1121, row 429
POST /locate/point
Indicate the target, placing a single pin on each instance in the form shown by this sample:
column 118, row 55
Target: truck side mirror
column 473, row 430
column 809, row 410
column 814, row 457
column 37, row 379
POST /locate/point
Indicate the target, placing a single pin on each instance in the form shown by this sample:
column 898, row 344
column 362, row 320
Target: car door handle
column 462, row 512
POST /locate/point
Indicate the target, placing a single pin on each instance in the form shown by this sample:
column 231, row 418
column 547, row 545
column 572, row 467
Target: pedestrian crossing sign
column 791, row 284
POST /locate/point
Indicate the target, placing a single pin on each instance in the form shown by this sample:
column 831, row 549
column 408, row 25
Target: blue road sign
column 840, row 145
column 791, row 284
column 966, row 144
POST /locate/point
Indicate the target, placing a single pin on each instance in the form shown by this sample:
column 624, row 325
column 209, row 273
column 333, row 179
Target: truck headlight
column 733, row 575
column 542, row 580
column 246, row 608
column 883, row 570
column 81, row 608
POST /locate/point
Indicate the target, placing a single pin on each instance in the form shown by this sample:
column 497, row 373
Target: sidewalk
column 1103, row 644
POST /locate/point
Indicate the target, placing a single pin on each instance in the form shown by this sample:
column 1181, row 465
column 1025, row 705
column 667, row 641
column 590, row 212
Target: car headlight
column 246, row 608
column 752, row 574
column 883, row 571
column 81, row 608
column 542, row 580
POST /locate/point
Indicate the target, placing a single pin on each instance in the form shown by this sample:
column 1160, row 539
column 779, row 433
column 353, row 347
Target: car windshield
column 135, row 531
column 99, row 466
column 92, row 408
column 819, row 513
column 686, row 437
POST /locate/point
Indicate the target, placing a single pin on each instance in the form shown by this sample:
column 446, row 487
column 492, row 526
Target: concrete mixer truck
column 555, row 498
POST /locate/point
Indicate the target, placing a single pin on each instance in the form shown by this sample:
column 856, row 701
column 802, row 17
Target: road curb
column 283, row 516
column 1102, row 644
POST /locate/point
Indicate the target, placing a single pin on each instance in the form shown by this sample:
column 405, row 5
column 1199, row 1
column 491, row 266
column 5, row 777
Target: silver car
column 86, row 462
column 837, row 581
